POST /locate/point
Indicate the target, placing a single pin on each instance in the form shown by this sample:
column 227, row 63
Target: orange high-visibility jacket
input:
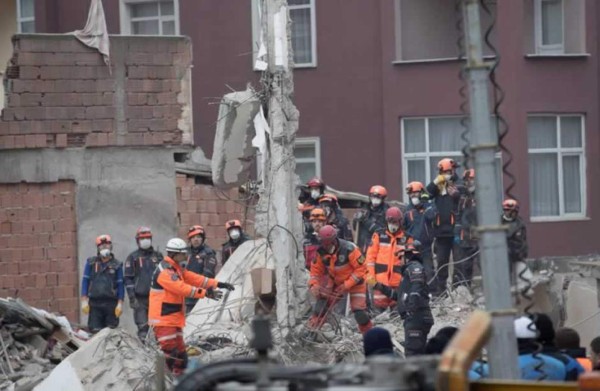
column 345, row 266
column 382, row 260
column 170, row 286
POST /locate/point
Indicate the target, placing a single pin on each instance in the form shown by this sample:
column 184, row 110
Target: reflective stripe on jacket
column 382, row 260
column 345, row 266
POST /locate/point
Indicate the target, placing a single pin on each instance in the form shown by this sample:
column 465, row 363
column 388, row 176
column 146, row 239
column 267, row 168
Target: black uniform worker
column 138, row 270
column 468, row 240
column 371, row 218
column 413, row 301
column 202, row 259
column 237, row 236
column 516, row 235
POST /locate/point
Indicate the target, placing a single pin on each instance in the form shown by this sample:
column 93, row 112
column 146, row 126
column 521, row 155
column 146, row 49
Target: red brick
column 19, row 141
column 61, row 140
column 29, row 72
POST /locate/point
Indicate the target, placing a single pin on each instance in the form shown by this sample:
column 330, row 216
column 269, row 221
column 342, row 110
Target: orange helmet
column 143, row 232
column 233, row 224
column 447, row 164
column 393, row 214
column 103, row 239
column 469, row 174
column 317, row 214
column 316, row 182
column 379, row 191
column 414, row 187
column 196, row 230
column 327, row 235
column 328, row 198
column 510, row 204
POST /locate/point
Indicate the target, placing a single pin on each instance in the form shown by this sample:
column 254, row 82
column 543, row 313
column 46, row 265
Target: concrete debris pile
column 112, row 360
column 32, row 343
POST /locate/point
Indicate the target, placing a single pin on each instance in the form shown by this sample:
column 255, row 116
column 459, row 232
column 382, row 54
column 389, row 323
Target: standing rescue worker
column 201, row 259
column 384, row 257
column 335, row 216
column 413, row 301
column 372, row 218
column 171, row 284
column 310, row 243
column 467, row 235
column 339, row 268
column 309, row 199
column 102, row 289
column 445, row 195
column 516, row 235
column 237, row 236
column 139, row 267
column 418, row 222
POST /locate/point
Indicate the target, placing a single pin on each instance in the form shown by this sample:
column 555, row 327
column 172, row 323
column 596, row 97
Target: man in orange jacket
column 339, row 268
column 171, row 285
column 385, row 257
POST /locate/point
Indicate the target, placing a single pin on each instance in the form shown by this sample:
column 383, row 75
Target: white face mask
column 234, row 233
column 315, row 194
column 393, row 227
column 105, row 252
column 471, row 189
column 375, row 201
column 145, row 243
column 415, row 201
column 508, row 217
column 447, row 177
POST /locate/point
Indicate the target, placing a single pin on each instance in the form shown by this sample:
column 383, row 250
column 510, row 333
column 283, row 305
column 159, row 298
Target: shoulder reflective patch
column 361, row 260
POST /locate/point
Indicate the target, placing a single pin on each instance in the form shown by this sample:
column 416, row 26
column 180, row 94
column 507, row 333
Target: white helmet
column 525, row 328
column 176, row 245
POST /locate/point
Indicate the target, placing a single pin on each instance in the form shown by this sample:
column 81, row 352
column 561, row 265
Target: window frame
column 540, row 48
column 126, row 19
column 560, row 153
column 256, row 32
column 21, row 19
column 311, row 141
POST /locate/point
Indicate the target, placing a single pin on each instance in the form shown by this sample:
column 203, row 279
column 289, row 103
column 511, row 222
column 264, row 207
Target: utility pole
column 502, row 348
column 278, row 198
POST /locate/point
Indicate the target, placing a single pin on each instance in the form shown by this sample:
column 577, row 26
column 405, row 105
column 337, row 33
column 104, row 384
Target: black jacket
column 373, row 220
column 418, row 223
column 202, row 260
column 138, row 270
column 447, row 209
column 230, row 246
column 468, row 221
column 516, row 237
column 342, row 224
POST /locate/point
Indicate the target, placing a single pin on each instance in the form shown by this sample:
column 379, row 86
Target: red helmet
column 469, row 174
column 143, row 232
column 447, row 164
column 316, row 182
column 317, row 214
column 510, row 204
column 233, row 224
column 328, row 198
column 196, row 230
column 328, row 235
column 393, row 214
column 379, row 191
column 414, row 187
column 103, row 239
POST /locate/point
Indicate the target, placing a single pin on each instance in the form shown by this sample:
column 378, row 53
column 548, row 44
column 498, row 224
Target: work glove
column 119, row 309
column 213, row 294
column 440, row 179
column 85, row 305
column 133, row 303
column 225, row 285
column 386, row 290
column 371, row 281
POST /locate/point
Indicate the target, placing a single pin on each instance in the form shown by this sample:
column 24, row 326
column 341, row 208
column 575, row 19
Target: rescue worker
column 371, row 218
column 236, row 235
column 310, row 244
column 418, row 222
column 339, row 268
column 309, row 199
column 202, row 259
column 139, row 266
column 467, row 237
column 516, row 235
column 102, row 288
column 445, row 195
column 567, row 341
column 384, row 257
column 171, row 284
column 595, row 353
column 335, row 216
column 378, row 342
column 413, row 301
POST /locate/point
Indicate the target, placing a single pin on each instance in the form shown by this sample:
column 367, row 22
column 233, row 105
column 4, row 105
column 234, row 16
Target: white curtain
column 572, row 184
column 301, row 35
column 543, row 184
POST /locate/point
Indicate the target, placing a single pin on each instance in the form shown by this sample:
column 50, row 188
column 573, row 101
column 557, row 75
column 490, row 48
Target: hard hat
column 315, row 182
column 327, row 235
column 510, row 204
column 393, row 214
column 317, row 214
column 414, row 187
column 379, row 191
column 196, row 230
column 414, row 247
column 525, row 328
column 233, row 224
column 447, row 164
column 176, row 245
column 103, row 239
column 143, row 232
column 328, row 198
column 469, row 174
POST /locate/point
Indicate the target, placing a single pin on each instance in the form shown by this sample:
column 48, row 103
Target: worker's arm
column 317, row 269
column 85, row 281
column 358, row 263
column 120, row 284
column 129, row 276
column 372, row 252
column 171, row 282
column 210, row 264
column 198, row 280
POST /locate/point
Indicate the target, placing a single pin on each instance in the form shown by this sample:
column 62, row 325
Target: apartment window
column 428, row 30
column 557, row 27
column 304, row 35
column 556, row 166
column 143, row 17
column 425, row 141
column 307, row 152
column 26, row 16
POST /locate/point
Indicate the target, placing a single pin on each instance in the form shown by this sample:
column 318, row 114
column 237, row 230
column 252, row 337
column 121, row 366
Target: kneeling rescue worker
column 338, row 268
column 171, row 285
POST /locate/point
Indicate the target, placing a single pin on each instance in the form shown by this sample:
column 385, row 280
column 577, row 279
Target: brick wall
column 210, row 207
column 61, row 94
column 38, row 245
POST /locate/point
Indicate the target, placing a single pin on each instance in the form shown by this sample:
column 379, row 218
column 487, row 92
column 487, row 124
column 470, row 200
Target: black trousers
column 443, row 247
column 102, row 314
column 140, row 317
column 416, row 329
column 463, row 267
